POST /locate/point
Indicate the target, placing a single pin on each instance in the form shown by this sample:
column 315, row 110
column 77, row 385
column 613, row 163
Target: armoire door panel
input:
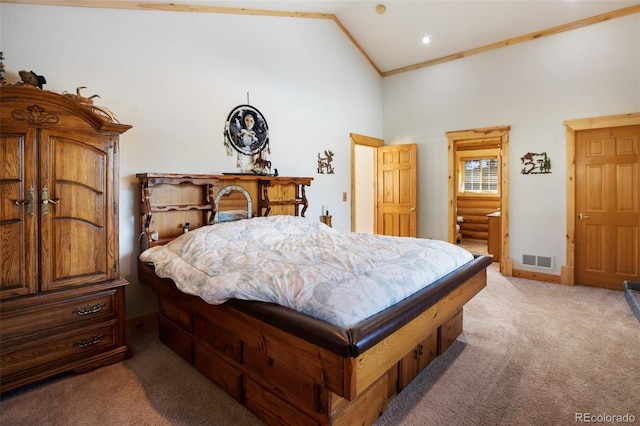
column 18, row 221
column 77, row 219
column 73, row 240
column 78, row 202
column 88, row 152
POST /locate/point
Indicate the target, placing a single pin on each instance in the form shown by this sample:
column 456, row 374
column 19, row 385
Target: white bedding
column 338, row 277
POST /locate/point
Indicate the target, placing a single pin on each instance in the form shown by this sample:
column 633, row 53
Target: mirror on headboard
column 232, row 202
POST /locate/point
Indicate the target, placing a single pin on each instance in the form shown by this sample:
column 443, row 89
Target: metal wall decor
column 324, row 163
column 246, row 131
column 535, row 163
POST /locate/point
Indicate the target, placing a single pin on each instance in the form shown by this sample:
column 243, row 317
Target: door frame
column 567, row 273
column 498, row 132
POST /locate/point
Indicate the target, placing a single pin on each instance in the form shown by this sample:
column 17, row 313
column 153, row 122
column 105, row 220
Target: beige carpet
column 531, row 354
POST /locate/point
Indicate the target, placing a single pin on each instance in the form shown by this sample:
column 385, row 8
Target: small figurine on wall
column 535, row 163
column 324, row 163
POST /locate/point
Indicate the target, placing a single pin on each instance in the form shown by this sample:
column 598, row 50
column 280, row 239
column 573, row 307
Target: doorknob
column 583, row 216
column 412, row 209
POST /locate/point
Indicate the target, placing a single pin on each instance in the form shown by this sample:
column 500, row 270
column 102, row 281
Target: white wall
column 176, row 76
column 364, row 178
column 533, row 87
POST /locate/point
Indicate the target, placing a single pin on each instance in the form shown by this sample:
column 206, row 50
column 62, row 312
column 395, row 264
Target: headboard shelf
column 179, row 208
column 174, row 179
column 171, row 203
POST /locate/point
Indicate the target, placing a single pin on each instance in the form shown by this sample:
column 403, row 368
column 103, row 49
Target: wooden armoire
column 61, row 294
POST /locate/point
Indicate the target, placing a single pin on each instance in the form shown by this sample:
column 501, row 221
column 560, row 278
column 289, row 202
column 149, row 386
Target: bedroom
column 533, row 87
column 175, row 77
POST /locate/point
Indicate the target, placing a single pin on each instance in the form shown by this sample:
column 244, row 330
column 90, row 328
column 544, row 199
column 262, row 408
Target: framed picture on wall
column 246, row 130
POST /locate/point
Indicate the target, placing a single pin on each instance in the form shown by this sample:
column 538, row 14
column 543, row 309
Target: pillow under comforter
column 302, row 264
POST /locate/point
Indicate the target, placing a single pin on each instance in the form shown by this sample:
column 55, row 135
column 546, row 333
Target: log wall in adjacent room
column 474, row 210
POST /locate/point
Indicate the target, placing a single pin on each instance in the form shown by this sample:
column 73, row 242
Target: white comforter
column 338, row 277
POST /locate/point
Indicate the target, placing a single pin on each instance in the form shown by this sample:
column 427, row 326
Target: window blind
column 481, row 174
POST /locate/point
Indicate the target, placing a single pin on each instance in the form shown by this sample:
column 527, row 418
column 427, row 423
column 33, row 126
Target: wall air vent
column 545, row 262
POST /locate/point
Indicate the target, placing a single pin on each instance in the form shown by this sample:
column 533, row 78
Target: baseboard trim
column 537, row 276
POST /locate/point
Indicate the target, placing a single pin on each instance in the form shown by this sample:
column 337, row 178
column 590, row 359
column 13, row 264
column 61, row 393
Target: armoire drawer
column 66, row 347
column 18, row 325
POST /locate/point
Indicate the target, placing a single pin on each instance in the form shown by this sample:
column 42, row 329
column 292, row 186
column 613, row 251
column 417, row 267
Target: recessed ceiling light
column 426, row 39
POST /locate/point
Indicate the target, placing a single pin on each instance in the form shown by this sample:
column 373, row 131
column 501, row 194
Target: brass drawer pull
column 83, row 343
column 89, row 309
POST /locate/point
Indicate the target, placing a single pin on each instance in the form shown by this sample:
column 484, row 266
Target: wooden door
column 608, row 222
column 396, row 190
column 18, row 213
column 77, row 209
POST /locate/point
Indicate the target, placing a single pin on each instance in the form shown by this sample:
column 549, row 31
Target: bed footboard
column 287, row 375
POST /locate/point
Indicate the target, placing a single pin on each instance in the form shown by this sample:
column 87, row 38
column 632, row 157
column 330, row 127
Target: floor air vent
column 545, row 262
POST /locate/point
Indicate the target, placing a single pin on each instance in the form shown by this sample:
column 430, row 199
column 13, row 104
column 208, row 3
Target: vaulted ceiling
column 389, row 32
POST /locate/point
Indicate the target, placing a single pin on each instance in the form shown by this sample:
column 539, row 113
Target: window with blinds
column 480, row 175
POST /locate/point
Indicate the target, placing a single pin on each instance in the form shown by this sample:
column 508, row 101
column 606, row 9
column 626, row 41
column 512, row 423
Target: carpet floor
column 531, row 353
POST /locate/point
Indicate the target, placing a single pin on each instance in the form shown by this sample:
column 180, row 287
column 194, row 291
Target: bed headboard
column 171, row 204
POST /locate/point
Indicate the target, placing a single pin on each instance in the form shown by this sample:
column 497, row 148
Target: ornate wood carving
column 34, row 115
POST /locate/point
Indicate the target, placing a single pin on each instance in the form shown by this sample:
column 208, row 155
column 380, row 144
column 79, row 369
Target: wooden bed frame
column 289, row 368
